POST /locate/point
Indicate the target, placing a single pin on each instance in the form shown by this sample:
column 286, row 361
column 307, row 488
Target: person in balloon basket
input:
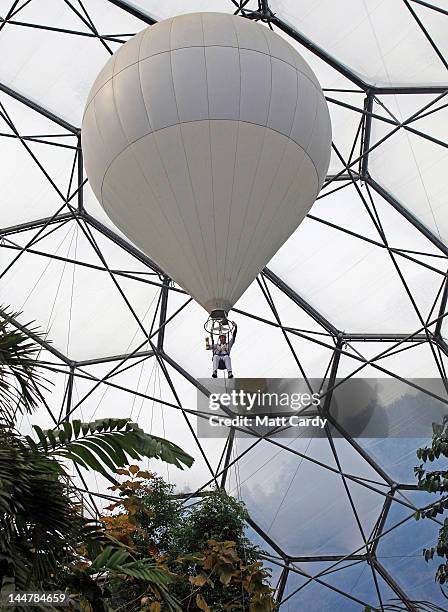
column 221, row 351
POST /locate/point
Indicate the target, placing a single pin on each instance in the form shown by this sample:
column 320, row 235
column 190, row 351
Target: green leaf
column 42, row 437
column 78, row 449
column 109, row 443
column 68, row 430
column 76, row 424
column 96, row 449
column 52, row 438
column 102, row 559
column 121, row 458
column 118, row 557
column 201, row 603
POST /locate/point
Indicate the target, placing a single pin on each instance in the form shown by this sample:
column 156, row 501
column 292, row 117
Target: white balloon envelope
column 206, row 139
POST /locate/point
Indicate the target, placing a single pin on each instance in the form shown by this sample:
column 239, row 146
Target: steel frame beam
column 39, row 109
column 303, row 304
column 318, row 51
column 431, row 6
column 281, row 585
column 124, row 244
column 365, row 146
column 37, row 223
column 134, row 11
column 407, row 214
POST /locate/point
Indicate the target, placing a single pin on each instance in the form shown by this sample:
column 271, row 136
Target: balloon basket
column 218, row 324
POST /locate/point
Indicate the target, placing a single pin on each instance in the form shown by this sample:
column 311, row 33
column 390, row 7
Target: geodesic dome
column 358, row 290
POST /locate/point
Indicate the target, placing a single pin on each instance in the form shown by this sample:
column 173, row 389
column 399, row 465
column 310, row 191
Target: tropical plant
column 41, row 526
column 148, row 511
column 436, row 481
column 149, row 553
column 213, row 564
column 221, row 563
column 21, row 380
column 399, row 606
column 38, row 519
column 221, row 580
column 89, row 581
column 39, row 522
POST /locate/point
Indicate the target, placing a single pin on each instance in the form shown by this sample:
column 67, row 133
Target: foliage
column 215, row 566
column 217, row 517
column 214, row 530
column 40, row 525
column 149, row 553
column 107, row 441
column 225, row 582
column 44, row 537
column 21, row 379
column 435, row 481
column 116, row 565
column 148, row 515
column 399, row 606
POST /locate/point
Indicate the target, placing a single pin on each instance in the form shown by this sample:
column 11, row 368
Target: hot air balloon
column 206, row 139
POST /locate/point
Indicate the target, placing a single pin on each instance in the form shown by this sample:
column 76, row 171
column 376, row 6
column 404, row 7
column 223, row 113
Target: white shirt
column 222, row 349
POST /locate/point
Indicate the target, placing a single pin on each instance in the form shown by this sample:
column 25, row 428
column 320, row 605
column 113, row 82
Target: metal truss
column 338, row 343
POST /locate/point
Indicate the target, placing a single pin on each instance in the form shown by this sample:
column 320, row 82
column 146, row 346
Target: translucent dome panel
column 412, row 162
column 61, row 81
column 385, row 53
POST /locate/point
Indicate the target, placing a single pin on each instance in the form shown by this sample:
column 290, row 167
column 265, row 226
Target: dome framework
column 340, row 578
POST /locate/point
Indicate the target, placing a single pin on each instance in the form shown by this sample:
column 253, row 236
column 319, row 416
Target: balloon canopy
column 206, row 139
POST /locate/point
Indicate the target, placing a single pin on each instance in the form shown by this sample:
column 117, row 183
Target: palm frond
column 422, row 606
column 119, row 561
column 107, row 444
column 21, row 380
column 40, row 524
